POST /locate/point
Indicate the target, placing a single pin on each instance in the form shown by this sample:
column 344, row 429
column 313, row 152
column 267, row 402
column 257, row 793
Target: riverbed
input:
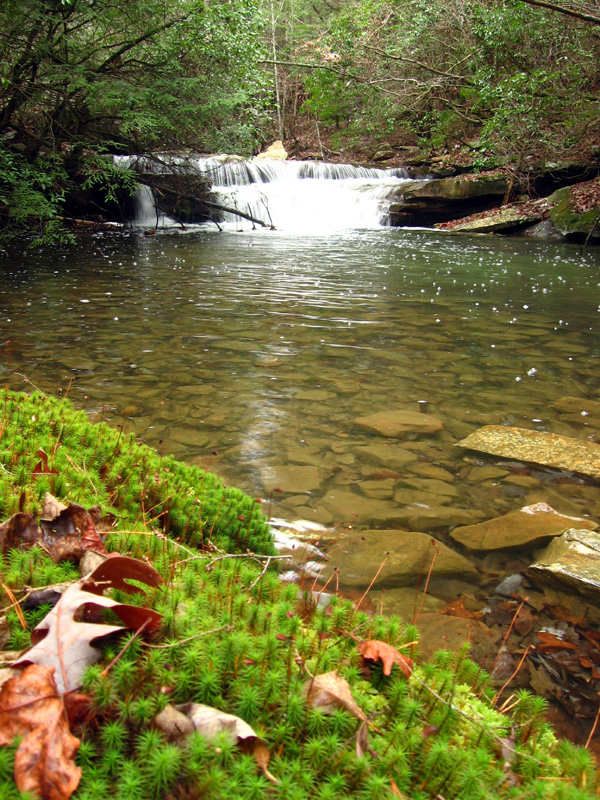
column 252, row 353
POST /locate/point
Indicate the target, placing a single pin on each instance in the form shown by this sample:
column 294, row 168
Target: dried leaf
column 31, row 707
column 458, row 609
column 549, row 641
column 376, row 650
column 42, row 468
column 21, row 529
column 362, row 740
column 209, row 722
column 69, row 533
column 63, row 642
column 52, row 507
column 329, row 691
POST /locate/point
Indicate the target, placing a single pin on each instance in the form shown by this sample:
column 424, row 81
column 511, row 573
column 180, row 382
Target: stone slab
column 529, row 526
column 571, row 562
column 396, row 423
column 548, row 449
column 408, row 556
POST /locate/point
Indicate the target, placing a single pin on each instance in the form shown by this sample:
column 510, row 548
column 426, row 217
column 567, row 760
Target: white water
column 291, row 196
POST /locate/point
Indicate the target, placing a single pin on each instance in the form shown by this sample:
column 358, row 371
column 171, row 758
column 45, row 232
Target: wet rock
column 391, row 456
column 501, row 219
column 442, row 632
column 314, row 395
column 571, row 563
column 510, row 585
column 404, row 601
column 480, row 474
column 582, row 409
column 433, row 517
column 398, row 423
column 431, row 485
column 548, row 449
column 432, row 471
column 352, row 507
column 383, row 153
column 419, row 499
column 378, row 490
column 291, row 479
column 572, row 219
column 530, row 526
column 428, row 202
column 408, row 556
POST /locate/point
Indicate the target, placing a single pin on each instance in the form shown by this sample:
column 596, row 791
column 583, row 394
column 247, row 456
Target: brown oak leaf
column 31, row 707
column 209, row 722
column 329, row 691
column 376, row 650
column 62, row 640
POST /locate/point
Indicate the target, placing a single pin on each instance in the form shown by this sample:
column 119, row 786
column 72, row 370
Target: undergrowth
column 237, row 638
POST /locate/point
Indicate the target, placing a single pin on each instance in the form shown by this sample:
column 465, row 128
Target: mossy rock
column 94, row 464
column 568, row 221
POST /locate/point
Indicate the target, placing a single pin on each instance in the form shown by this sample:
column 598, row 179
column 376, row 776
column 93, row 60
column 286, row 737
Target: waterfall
column 295, row 196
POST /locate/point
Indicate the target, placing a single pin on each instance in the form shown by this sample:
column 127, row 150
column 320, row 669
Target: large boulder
column 428, row 202
column 498, row 220
column 575, row 211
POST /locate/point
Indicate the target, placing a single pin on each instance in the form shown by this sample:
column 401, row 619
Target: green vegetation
column 47, row 446
column 236, row 638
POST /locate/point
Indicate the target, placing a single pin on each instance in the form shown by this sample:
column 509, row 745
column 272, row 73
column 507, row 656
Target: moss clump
column 93, row 464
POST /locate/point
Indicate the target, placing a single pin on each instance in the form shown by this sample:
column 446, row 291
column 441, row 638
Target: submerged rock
column 548, row 449
column 397, row 423
column 529, row 526
column 291, row 479
column 408, row 556
column 571, row 563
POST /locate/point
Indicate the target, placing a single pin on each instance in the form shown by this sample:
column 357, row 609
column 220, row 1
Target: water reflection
column 265, row 347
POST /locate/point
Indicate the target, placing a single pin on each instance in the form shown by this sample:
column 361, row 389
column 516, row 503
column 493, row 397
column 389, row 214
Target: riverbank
column 337, row 702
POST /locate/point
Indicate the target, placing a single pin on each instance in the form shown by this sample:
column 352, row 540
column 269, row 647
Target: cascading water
column 294, row 196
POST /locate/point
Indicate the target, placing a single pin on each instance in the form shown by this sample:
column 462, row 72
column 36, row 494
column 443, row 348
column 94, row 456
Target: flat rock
column 528, row 526
column 431, row 517
column 431, row 485
column 390, row 456
column 500, row 219
column 397, row 423
column 581, row 407
column 549, row 449
column 291, row 479
column 409, row 556
column 349, row 506
column 571, row 562
column 442, row 632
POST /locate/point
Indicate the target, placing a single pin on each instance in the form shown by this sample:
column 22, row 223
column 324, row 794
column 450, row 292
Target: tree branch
column 570, row 12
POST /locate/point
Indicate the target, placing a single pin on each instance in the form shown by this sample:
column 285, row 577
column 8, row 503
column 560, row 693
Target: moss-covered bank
column 236, row 638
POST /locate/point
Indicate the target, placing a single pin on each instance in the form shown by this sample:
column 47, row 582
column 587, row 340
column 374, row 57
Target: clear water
column 264, row 347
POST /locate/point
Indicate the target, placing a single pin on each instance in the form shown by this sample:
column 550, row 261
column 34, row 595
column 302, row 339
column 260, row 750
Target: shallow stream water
column 263, row 347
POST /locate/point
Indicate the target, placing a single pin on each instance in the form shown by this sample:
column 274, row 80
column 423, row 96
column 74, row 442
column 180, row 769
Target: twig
column 16, row 606
column 265, row 568
column 124, row 649
column 368, row 589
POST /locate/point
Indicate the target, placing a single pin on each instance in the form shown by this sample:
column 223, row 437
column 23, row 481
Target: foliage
column 97, row 465
column 80, row 79
column 522, row 79
column 326, row 689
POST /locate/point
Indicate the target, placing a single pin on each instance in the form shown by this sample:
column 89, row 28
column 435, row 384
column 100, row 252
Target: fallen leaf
column 21, row 529
column 52, row 507
column 376, row 650
column 329, row 691
column 362, row 740
column 210, row 722
column 63, row 641
column 42, row 468
column 551, row 642
column 69, row 533
column 458, row 609
column 31, row 707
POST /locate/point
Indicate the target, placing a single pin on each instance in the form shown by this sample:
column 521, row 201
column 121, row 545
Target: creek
column 251, row 352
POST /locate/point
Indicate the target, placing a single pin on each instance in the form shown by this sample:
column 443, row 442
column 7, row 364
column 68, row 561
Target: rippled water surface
column 265, row 347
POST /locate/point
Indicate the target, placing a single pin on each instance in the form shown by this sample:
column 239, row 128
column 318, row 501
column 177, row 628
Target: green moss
column 93, row 464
